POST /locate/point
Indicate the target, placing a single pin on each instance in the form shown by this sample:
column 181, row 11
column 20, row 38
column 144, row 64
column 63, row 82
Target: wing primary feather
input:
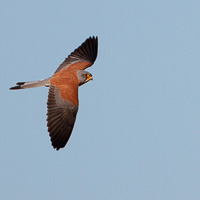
column 56, row 140
column 55, row 126
column 54, row 116
column 63, row 138
column 56, row 132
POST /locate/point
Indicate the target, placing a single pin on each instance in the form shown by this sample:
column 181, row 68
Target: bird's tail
column 31, row 84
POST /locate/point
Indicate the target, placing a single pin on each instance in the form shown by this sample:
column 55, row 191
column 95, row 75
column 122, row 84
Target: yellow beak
column 89, row 78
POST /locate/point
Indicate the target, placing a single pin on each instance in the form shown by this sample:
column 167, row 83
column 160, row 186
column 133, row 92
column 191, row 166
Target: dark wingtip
column 56, row 147
column 91, row 44
column 87, row 50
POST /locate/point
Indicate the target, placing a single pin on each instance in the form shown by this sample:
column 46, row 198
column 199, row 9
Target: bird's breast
column 67, row 82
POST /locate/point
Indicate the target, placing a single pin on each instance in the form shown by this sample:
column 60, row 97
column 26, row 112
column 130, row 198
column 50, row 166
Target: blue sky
column 137, row 130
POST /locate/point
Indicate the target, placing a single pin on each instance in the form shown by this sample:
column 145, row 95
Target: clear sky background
column 137, row 134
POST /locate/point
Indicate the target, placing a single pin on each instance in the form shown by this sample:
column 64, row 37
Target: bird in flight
column 62, row 103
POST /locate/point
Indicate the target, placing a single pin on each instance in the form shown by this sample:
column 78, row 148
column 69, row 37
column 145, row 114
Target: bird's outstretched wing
column 82, row 57
column 61, row 116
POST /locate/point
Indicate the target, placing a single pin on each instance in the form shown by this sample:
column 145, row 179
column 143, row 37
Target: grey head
column 84, row 77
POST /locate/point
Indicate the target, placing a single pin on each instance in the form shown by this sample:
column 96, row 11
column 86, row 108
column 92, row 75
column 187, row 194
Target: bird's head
column 84, row 77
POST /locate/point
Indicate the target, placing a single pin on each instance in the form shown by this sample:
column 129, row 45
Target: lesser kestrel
column 62, row 104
